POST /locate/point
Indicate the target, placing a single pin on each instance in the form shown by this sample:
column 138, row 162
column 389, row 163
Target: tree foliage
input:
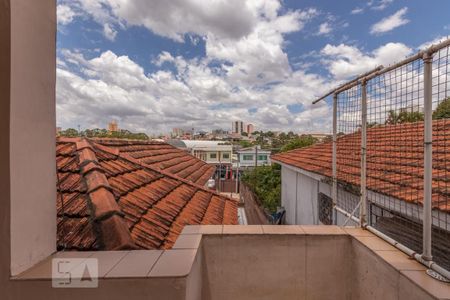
column 245, row 144
column 442, row 110
column 299, row 142
column 265, row 182
column 69, row 132
column 403, row 117
column 103, row 133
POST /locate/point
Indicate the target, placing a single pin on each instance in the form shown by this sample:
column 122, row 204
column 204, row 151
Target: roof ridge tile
column 107, row 214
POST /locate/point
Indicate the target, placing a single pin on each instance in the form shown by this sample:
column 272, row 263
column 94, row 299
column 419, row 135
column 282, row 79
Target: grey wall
column 289, row 194
column 299, row 195
column 32, row 130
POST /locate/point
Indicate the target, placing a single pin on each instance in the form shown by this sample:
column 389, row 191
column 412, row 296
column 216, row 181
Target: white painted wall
column 299, row 195
column 289, row 194
column 32, row 131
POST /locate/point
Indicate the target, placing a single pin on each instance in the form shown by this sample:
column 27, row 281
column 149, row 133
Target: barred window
column 325, row 209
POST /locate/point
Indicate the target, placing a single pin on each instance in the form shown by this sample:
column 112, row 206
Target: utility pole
column 237, row 176
column 256, row 156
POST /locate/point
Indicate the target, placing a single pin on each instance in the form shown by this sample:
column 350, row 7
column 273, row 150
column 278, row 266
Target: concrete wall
column 288, row 269
column 299, row 195
column 32, row 132
column 288, row 266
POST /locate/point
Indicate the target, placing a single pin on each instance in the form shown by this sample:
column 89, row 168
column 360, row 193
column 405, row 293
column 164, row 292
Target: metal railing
column 385, row 175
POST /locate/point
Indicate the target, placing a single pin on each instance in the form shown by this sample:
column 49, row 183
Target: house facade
column 253, row 156
column 211, row 152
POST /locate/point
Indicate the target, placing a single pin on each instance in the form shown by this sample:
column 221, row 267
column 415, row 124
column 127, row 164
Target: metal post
column 363, row 206
column 256, row 156
column 237, row 178
column 428, row 136
column 334, row 160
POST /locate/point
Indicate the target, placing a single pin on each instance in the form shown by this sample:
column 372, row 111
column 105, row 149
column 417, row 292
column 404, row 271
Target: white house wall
column 299, row 197
column 289, row 194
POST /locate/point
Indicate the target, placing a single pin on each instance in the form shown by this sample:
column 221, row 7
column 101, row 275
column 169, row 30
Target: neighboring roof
column 394, row 160
column 177, row 143
column 109, row 200
column 163, row 156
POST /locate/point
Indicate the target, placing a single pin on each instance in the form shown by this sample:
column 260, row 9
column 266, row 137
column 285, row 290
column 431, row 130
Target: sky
column 154, row 65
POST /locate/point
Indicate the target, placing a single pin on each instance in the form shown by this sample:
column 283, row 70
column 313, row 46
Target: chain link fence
column 391, row 154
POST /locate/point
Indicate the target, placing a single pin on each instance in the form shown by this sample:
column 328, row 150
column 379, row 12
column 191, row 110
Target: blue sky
column 155, row 65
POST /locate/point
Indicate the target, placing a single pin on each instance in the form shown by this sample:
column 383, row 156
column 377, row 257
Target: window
column 213, row 155
column 262, row 157
column 247, row 157
column 226, row 155
column 325, row 209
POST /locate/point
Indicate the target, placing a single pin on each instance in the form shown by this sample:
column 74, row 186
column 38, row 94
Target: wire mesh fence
column 348, row 149
column 382, row 150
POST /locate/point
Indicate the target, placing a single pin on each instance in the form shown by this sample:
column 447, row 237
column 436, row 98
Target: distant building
column 212, row 152
column 250, row 129
column 218, row 153
column 113, row 126
column 253, row 156
column 176, row 132
column 238, row 127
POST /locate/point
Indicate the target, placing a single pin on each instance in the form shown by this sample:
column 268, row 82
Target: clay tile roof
column 163, row 156
column 394, row 161
column 109, row 200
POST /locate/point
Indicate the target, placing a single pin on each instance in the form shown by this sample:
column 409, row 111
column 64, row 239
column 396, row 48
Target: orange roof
column 110, row 200
column 163, row 156
column 394, row 160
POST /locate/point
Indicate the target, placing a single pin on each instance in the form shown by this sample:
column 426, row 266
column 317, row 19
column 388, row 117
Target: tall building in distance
column 113, row 126
column 237, row 127
column 250, row 129
column 177, row 132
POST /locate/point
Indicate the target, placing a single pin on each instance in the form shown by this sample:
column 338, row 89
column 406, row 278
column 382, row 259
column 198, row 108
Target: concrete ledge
column 256, row 262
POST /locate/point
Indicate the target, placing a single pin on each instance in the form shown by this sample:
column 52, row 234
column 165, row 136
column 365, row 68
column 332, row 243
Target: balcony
column 250, row 262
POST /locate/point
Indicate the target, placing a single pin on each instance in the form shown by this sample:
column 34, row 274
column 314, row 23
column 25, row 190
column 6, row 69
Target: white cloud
column 391, row 22
column 357, row 10
column 379, row 5
column 109, row 32
column 112, row 86
column 324, row 28
column 344, row 61
column 432, row 42
column 245, row 67
column 65, row 14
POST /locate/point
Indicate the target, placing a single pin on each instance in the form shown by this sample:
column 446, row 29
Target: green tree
column 442, row 110
column 265, row 182
column 69, row 132
column 245, row 144
column 300, row 142
column 403, row 117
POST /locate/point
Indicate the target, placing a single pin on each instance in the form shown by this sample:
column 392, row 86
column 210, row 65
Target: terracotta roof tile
column 163, row 156
column 394, row 160
column 109, row 200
